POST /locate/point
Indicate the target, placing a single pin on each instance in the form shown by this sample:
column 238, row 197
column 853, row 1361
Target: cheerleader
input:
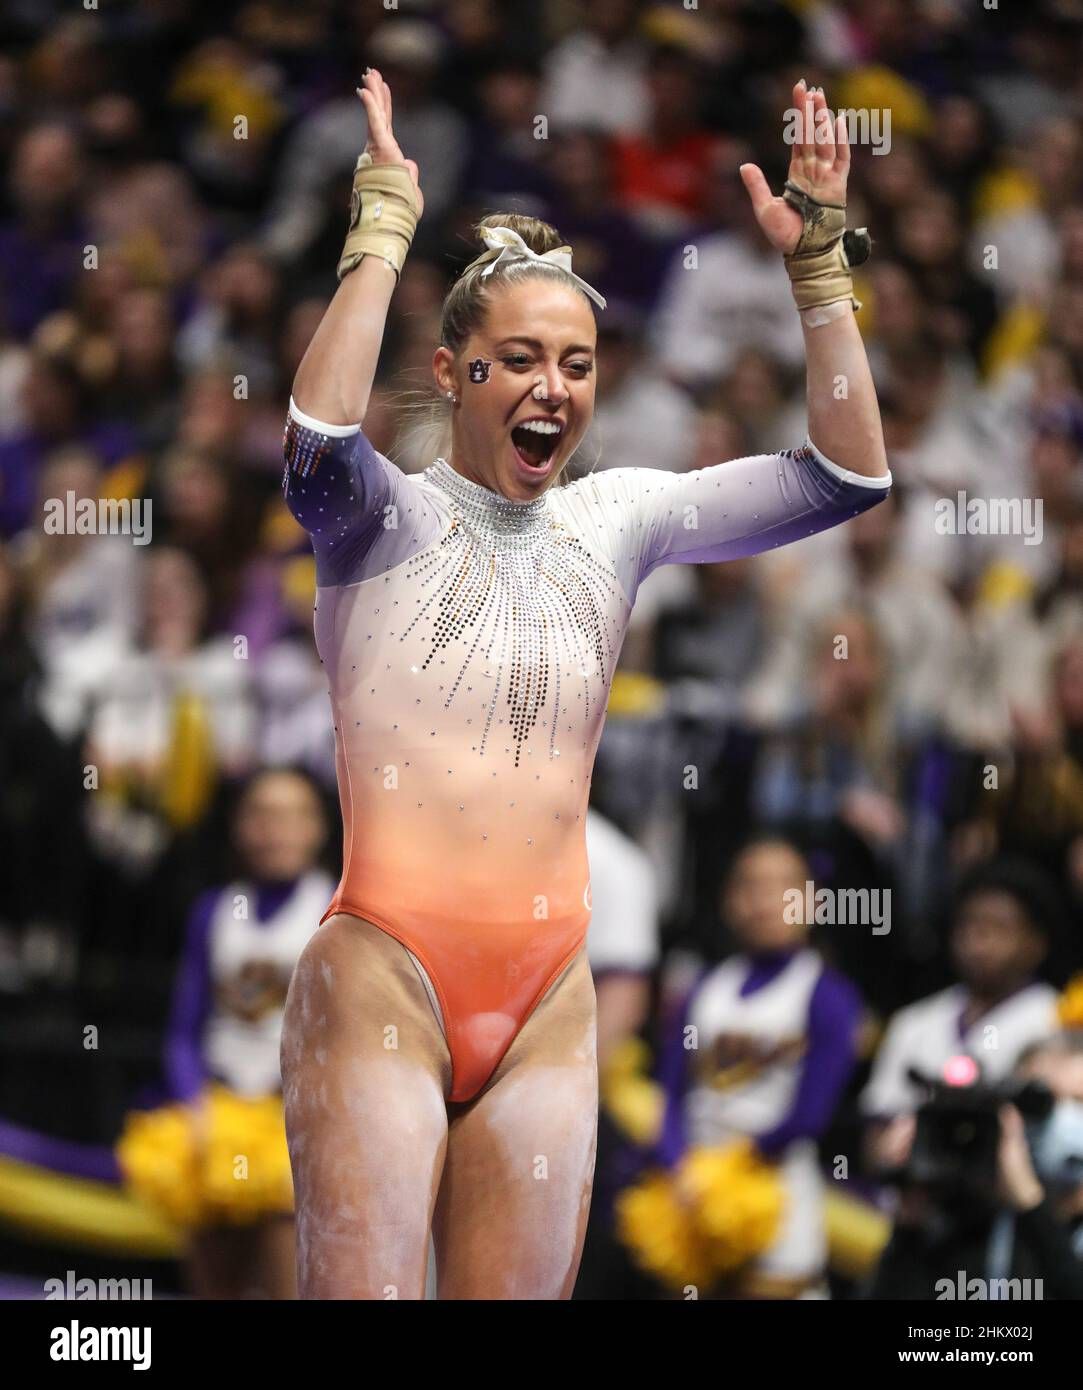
column 766, row 1044
column 216, row 1160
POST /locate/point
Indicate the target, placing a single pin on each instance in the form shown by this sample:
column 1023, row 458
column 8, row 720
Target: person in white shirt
column 641, row 420
column 242, row 943
column 1000, row 937
column 598, row 72
column 622, row 939
column 727, row 297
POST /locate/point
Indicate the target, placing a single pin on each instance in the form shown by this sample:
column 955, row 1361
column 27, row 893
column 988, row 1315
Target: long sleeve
column 648, row 518
column 674, row 1073
column 359, row 509
column 184, row 1067
column 834, row 1018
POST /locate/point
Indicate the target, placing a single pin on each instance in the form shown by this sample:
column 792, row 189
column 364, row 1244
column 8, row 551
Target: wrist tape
column 383, row 216
column 819, row 265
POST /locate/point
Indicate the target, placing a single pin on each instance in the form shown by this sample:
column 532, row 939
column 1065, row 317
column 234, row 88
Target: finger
column 825, row 129
column 366, row 103
column 758, row 188
column 385, row 104
column 370, row 82
column 1011, row 1125
column 374, row 117
column 799, row 97
column 378, row 84
column 842, row 144
column 365, row 92
column 808, row 143
column 375, row 111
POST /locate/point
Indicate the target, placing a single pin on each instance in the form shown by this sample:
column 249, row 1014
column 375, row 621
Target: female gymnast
column 438, row 1050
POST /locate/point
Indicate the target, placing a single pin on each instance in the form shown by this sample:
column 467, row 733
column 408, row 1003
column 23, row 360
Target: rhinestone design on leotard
column 304, row 448
column 509, row 583
column 515, row 614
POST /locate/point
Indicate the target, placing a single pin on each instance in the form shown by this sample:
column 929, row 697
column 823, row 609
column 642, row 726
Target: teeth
column 540, row 426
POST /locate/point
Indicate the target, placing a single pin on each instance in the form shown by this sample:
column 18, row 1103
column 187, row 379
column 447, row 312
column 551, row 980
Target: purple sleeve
column 733, row 509
column 675, row 1074
column 340, row 490
column 834, row 1018
column 184, row 1069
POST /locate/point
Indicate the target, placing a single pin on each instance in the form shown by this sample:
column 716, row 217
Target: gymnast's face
column 533, row 360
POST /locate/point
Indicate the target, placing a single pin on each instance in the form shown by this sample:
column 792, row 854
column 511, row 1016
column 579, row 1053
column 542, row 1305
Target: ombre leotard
column 469, row 642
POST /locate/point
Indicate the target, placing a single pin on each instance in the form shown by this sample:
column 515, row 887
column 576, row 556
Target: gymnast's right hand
column 375, row 96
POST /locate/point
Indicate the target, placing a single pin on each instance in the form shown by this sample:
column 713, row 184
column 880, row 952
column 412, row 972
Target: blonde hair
column 466, row 306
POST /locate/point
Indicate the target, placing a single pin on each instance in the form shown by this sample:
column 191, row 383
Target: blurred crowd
column 902, row 701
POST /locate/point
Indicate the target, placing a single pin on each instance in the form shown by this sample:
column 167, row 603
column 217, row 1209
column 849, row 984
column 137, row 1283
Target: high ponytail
column 467, row 300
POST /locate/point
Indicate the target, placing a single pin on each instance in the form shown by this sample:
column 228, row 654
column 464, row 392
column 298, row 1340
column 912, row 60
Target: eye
column 516, row 359
column 581, row 368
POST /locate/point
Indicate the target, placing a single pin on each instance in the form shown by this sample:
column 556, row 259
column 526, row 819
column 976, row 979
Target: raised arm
column 334, row 381
column 807, row 226
column 754, row 504
column 345, row 494
column 725, row 512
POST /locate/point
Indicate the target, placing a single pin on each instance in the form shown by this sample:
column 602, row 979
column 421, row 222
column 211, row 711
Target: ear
column 443, row 370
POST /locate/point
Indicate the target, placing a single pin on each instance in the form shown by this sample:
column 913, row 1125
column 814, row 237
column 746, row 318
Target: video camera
column 958, row 1132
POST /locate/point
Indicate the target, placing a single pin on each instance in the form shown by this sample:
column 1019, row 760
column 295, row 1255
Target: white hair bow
column 512, row 247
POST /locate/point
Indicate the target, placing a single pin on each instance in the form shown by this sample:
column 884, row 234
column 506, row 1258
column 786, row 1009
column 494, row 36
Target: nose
column 549, row 385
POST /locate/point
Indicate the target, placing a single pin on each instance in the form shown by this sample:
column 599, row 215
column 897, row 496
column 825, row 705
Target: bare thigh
column 365, row 1070
column 513, row 1205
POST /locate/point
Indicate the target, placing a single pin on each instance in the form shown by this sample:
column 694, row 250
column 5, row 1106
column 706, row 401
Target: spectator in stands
column 775, row 1041
column 243, row 940
column 1001, row 928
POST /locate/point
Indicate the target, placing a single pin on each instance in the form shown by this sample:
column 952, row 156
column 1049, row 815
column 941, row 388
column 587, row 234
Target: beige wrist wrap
column 383, row 215
column 819, row 265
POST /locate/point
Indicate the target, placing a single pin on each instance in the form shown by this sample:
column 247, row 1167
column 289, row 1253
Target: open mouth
column 536, row 440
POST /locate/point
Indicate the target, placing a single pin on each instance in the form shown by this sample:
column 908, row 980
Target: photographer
column 963, row 1232
column 1003, row 921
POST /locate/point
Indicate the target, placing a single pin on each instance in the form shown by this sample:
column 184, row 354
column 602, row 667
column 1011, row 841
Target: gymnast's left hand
column 819, row 164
